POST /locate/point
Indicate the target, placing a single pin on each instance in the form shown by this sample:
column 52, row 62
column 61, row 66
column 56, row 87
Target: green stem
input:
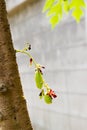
column 27, row 53
column 46, row 85
column 36, row 65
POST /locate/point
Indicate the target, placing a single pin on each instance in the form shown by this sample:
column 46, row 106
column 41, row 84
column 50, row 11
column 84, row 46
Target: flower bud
column 31, row 61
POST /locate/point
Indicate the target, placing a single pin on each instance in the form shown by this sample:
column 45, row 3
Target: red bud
column 52, row 94
column 31, row 61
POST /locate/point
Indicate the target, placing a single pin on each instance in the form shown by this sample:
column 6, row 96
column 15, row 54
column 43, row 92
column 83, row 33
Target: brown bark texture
column 13, row 110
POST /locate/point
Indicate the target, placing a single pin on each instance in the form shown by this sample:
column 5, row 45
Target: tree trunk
column 13, row 111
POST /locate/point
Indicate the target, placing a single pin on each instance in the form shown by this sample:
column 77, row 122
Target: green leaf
column 56, row 14
column 77, row 4
column 54, row 20
column 48, row 5
column 52, row 11
column 77, row 14
column 66, row 6
column 56, row 9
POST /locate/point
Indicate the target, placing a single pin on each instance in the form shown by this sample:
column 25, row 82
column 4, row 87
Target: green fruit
column 47, row 99
column 38, row 79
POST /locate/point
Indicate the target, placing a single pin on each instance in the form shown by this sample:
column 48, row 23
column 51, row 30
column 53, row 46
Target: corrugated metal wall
column 64, row 53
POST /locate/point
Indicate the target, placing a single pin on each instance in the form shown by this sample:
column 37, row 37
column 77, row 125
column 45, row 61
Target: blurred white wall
column 63, row 51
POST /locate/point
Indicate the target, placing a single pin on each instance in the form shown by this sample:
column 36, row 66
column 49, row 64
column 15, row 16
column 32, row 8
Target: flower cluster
column 46, row 92
column 52, row 94
column 48, row 96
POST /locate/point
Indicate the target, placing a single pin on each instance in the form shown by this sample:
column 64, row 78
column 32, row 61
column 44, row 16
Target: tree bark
column 13, row 110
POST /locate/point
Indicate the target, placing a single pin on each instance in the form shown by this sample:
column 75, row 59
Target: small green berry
column 38, row 79
column 48, row 99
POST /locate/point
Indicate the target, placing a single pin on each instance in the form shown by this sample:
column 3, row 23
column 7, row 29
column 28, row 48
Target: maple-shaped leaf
column 77, row 4
column 77, row 14
column 56, row 8
column 77, row 11
column 56, row 14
